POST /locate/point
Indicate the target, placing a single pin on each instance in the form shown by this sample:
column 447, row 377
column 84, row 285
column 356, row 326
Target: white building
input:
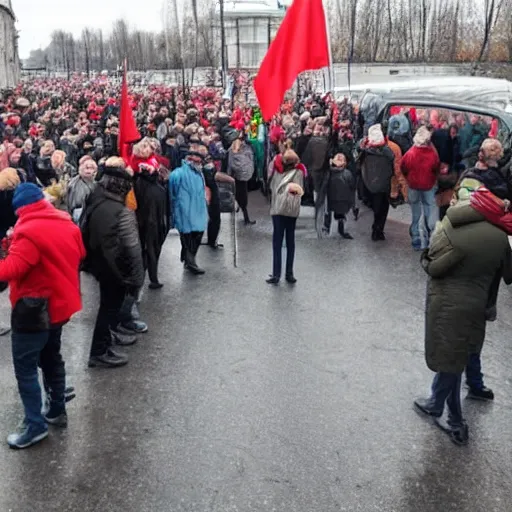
column 9, row 60
column 250, row 26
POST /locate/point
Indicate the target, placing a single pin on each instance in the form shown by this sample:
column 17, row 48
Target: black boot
column 191, row 264
column 342, row 232
column 247, row 220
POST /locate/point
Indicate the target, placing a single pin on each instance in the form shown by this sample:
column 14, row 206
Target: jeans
column 283, row 225
column 112, row 298
column 474, row 375
column 29, row 350
column 446, row 388
column 422, row 202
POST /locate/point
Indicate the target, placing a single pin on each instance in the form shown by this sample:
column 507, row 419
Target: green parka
column 465, row 254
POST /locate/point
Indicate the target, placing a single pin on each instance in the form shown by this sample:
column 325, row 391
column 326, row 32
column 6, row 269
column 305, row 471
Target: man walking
column 42, row 268
column 114, row 257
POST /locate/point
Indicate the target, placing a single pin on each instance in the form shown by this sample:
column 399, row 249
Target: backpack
column 227, row 197
column 87, row 265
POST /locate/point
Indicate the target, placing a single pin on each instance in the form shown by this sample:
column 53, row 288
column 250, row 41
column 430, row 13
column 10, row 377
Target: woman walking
column 241, row 167
column 286, row 185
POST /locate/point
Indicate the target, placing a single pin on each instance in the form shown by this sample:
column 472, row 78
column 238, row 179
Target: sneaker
column 484, row 394
column 123, row 340
column 194, row 269
column 155, row 286
column 56, row 416
column 27, row 436
column 273, row 280
column 459, row 434
column 290, row 278
column 69, row 393
column 109, row 359
column 133, row 327
column 425, row 406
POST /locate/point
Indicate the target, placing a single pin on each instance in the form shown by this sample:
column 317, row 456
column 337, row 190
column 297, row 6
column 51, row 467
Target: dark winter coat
column 376, row 167
column 7, row 216
column 341, row 189
column 465, row 254
column 447, row 148
column 316, row 159
column 152, row 209
column 113, row 245
column 499, row 183
column 44, row 171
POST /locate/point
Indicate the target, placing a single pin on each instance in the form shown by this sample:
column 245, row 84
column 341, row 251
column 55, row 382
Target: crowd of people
column 72, row 200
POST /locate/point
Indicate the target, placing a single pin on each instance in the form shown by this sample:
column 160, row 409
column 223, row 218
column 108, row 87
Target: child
column 340, row 194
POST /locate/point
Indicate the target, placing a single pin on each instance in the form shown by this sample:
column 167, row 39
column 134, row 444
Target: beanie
column 375, row 135
column 25, row 194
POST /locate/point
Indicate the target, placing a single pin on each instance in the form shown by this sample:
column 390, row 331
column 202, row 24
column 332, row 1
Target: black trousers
column 190, row 243
column 110, row 314
column 442, row 211
column 213, row 223
column 242, row 194
column 283, row 226
column 380, row 207
column 151, row 255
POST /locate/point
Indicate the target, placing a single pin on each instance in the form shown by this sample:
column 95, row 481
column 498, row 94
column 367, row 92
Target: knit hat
column 375, row 135
column 422, row 137
column 25, row 194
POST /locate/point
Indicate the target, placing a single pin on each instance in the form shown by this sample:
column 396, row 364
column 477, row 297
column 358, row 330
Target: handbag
column 286, row 203
column 30, row 314
column 226, row 197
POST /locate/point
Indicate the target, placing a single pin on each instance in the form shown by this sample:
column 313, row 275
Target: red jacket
column 420, row 166
column 44, row 259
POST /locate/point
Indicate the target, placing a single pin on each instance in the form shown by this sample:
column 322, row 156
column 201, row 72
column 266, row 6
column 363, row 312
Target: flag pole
column 331, row 67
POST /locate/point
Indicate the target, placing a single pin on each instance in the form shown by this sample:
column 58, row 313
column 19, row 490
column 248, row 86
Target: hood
column 463, row 214
column 41, row 210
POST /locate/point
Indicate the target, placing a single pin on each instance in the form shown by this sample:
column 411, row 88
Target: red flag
column 128, row 132
column 300, row 44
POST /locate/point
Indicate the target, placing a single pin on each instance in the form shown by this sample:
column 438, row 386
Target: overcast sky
column 37, row 19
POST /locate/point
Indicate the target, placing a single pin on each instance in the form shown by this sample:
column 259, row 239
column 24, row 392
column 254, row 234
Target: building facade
column 9, row 60
column 250, row 26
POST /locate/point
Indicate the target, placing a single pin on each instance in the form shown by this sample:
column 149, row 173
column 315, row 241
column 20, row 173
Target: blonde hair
column 492, row 150
column 115, row 161
column 58, row 159
column 235, row 147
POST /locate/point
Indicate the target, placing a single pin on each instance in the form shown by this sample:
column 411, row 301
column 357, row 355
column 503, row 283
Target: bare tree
column 492, row 10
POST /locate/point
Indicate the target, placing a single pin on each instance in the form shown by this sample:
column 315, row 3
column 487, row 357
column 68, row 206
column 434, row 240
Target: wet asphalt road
column 245, row 397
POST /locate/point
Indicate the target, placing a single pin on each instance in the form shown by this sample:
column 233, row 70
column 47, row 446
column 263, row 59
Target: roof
column 5, row 5
column 463, row 93
column 252, row 8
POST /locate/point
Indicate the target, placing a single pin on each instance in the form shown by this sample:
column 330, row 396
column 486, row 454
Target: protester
column 80, row 187
column 114, row 257
column 420, row 166
column 153, row 219
column 465, row 254
column 241, row 167
column 189, row 207
column 286, row 185
column 376, row 162
column 486, row 173
column 447, row 144
column 42, row 268
column 339, row 189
